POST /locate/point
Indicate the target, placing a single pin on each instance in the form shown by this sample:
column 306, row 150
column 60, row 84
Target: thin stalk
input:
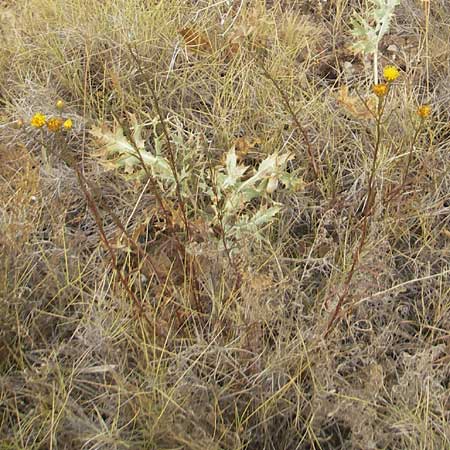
column 395, row 192
column 295, row 118
column 193, row 277
column 110, row 250
column 368, row 211
column 221, row 222
column 171, row 152
column 375, row 66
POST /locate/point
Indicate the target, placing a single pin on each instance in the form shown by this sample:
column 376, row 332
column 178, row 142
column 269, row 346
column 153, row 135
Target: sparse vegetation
column 220, row 229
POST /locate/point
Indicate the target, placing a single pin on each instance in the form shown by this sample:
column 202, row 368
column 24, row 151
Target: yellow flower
column 38, row 120
column 424, row 111
column 390, row 73
column 380, row 89
column 54, row 124
column 60, row 104
column 68, row 124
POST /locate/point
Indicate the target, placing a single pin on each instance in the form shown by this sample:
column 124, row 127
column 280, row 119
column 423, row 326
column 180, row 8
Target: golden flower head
column 424, row 111
column 390, row 73
column 68, row 124
column 38, row 120
column 380, row 89
column 54, row 124
column 60, row 104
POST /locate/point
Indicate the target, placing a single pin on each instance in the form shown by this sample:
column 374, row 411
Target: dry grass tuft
column 132, row 318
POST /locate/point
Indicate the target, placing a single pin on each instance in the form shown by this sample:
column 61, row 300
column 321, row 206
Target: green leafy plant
column 236, row 198
column 234, row 193
column 369, row 31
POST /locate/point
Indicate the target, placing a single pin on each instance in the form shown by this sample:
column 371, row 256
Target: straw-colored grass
column 129, row 320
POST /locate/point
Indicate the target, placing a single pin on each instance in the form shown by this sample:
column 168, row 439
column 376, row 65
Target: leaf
column 264, row 216
column 292, row 182
column 234, row 171
column 128, row 156
column 354, row 105
column 238, row 200
column 254, row 223
column 369, row 36
column 195, row 40
column 243, row 145
column 270, row 166
column 113, row 142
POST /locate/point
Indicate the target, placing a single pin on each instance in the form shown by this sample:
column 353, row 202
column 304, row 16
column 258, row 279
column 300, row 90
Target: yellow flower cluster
column 54, row 124
column 390, row 74
column 381, row 90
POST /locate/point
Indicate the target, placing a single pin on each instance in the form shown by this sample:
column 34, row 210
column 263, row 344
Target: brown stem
column 348, row 278
column 295, row 118
column 170, row 149
column 395, row 192
column 123, row 280
column 368, row 211
column 137, row 248
column 221, row 224
column 150, row 177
